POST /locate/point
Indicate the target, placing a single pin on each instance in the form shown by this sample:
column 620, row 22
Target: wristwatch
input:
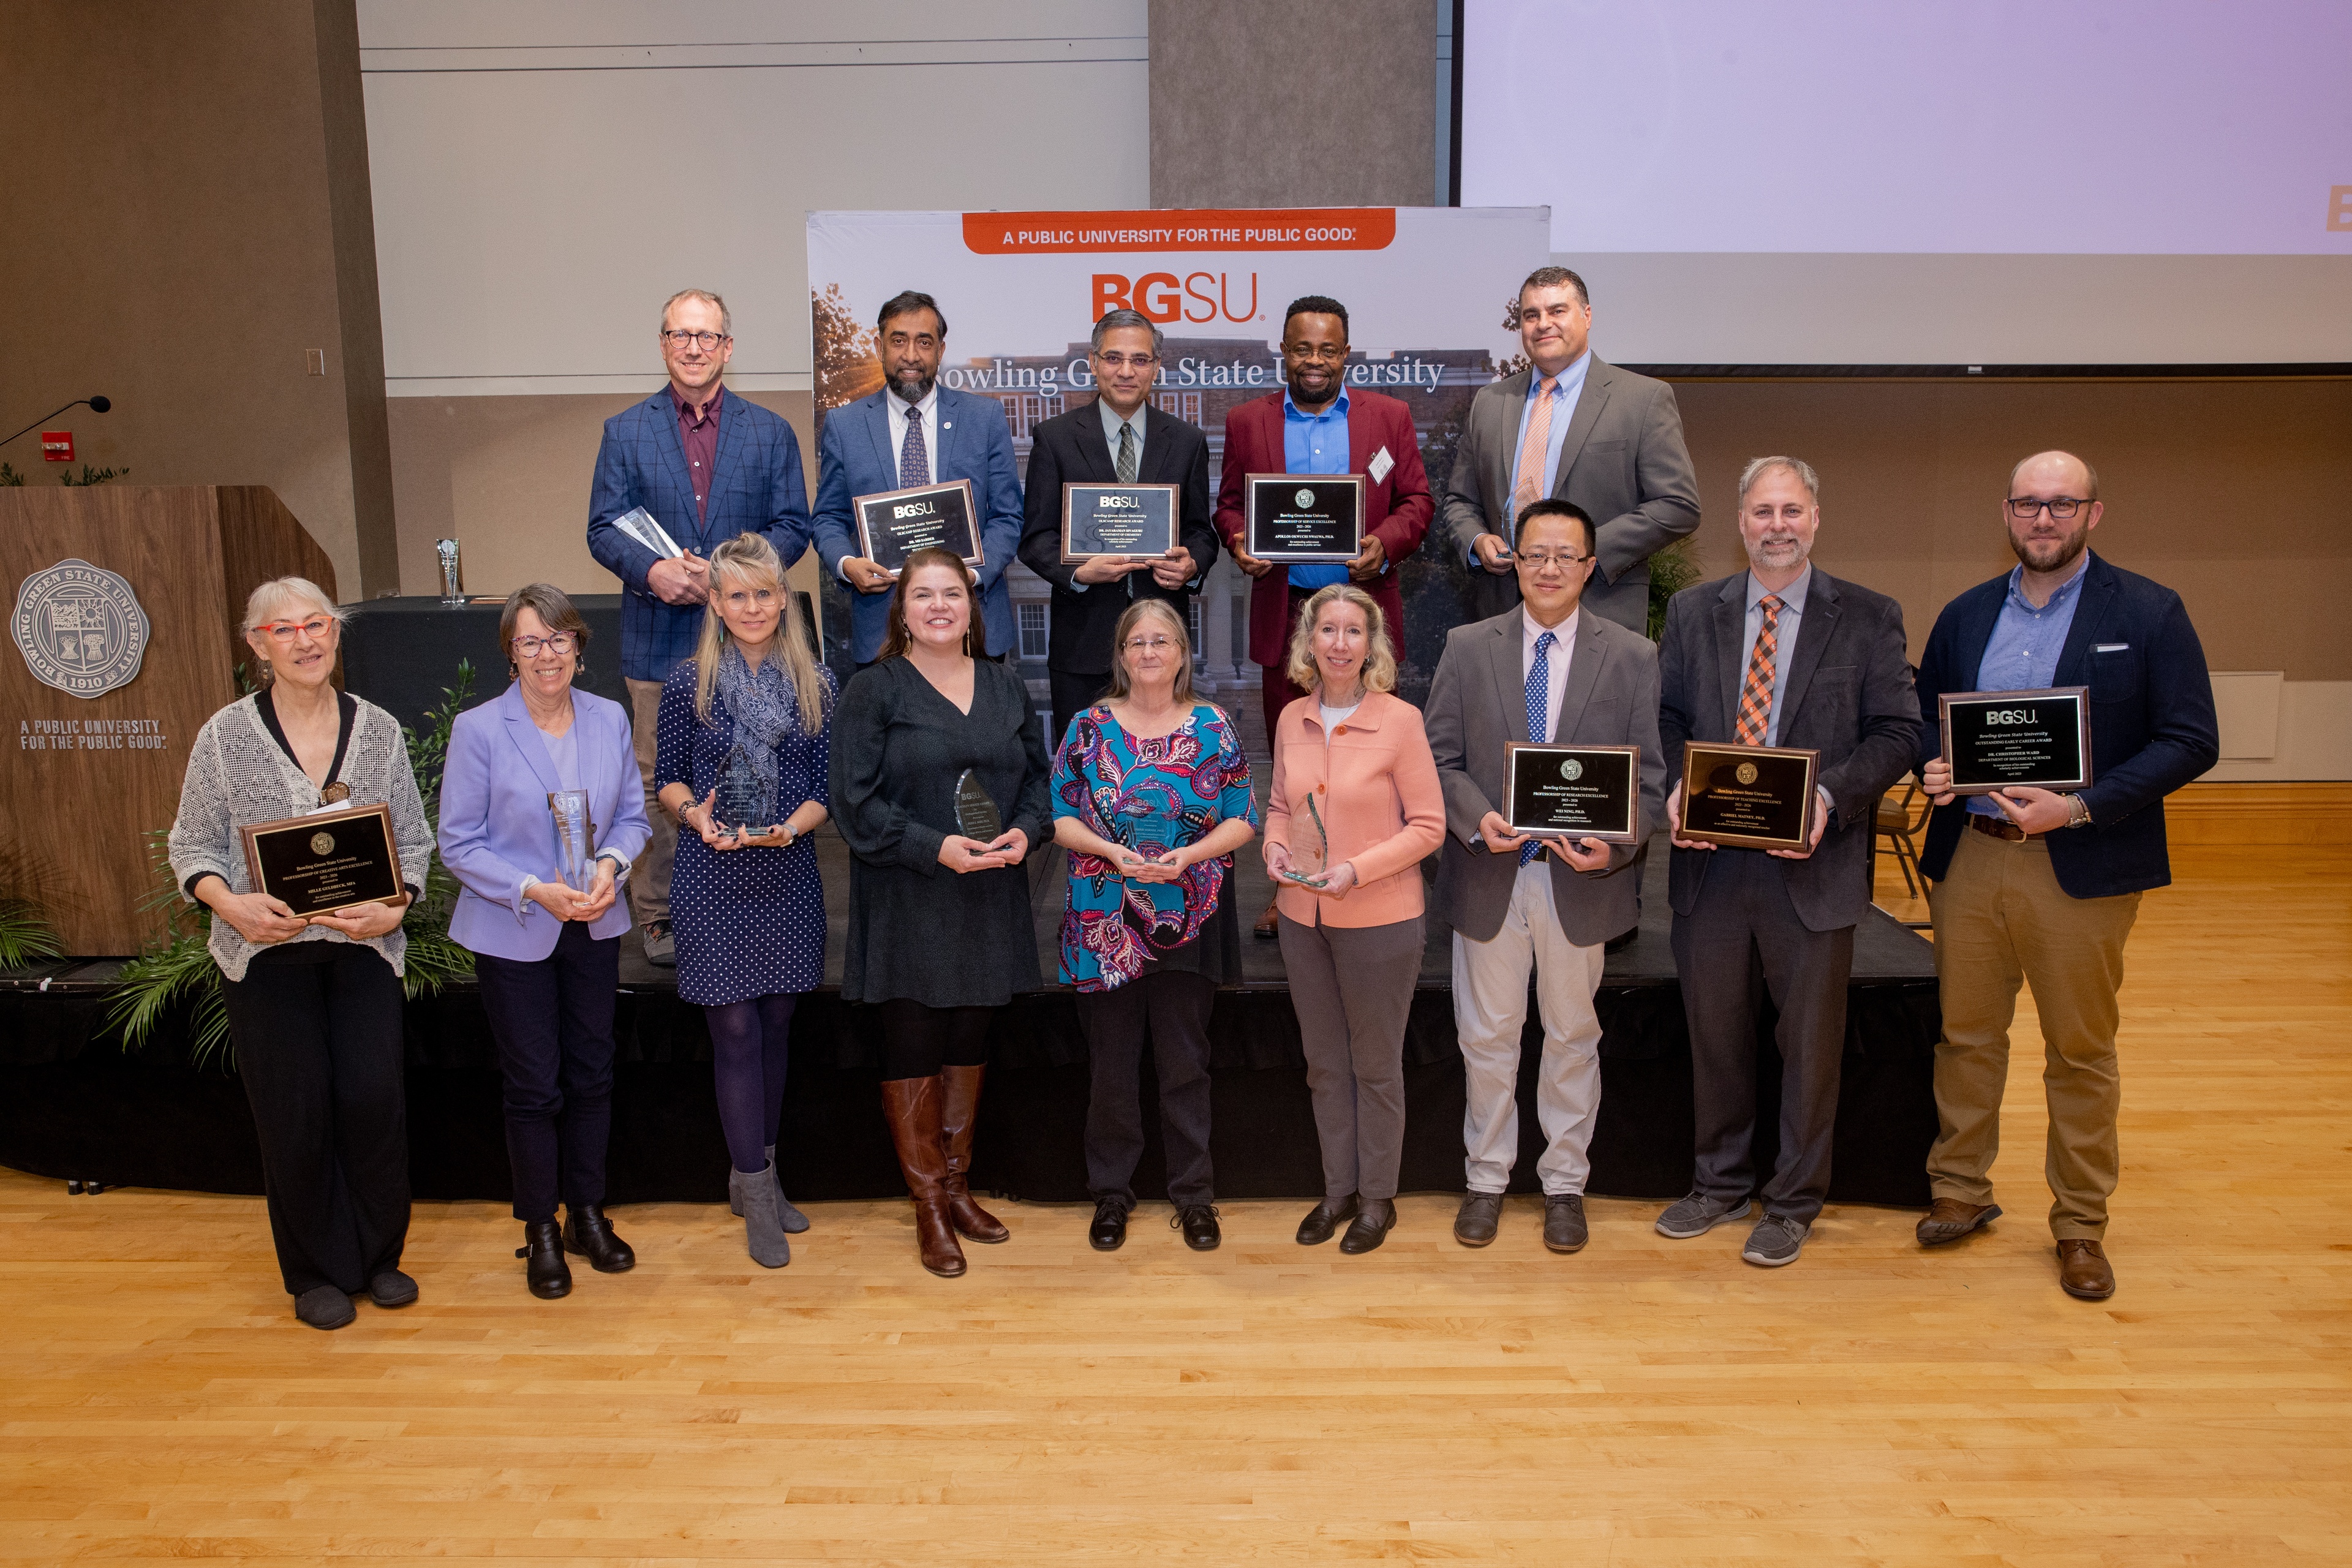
column 2078, row 813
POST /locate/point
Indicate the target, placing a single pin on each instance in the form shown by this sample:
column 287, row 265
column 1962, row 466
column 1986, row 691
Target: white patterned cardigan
column 238, row 777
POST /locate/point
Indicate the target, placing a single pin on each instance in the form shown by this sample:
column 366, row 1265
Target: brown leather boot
column 2082, row 1270
column 911, row 1106
column 958, row 1113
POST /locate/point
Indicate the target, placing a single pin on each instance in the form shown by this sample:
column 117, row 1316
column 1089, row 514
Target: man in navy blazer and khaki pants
column 708, row 467
column 1780, row 655
column 2035, row 886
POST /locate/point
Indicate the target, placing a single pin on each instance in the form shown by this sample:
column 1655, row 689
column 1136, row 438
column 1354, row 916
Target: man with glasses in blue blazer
column 707, row 466
column 914, row 432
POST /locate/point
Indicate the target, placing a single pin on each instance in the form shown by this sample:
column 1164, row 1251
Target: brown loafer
column 1951, row 1219
column 2083, row 1271
column 1266, row 929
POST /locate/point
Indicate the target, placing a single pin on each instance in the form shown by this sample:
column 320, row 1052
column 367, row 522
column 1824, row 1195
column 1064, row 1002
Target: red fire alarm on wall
column 56, row 447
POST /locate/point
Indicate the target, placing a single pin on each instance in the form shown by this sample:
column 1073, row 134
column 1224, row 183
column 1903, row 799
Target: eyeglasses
column 2022, row 508
column 1148, row 645
column 553, row 642
column 705, row 341
column 1537, row 560
column 1121, row 362
column 1319, row 354
column 284, row 632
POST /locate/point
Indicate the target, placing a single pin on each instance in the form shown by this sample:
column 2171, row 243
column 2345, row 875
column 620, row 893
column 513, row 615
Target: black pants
column 552, row 1020
column 1172, row 1011
column 317, row 1026
column 1073, row 694
column 917, row 1041
column 1743, row 927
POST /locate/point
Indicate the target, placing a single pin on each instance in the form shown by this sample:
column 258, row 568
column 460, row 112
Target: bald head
column 2076, row 477
column 2053, row 505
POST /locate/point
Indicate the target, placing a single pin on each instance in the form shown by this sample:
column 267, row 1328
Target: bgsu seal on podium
column 80, row 627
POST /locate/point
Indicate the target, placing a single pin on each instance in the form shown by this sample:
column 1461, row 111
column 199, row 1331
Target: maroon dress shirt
column 700, row 436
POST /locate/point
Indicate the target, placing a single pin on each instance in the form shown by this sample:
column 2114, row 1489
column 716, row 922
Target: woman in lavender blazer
column 547, row 955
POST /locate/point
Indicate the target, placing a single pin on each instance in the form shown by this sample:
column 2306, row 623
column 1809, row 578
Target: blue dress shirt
column 1315, row 443
column 2021, row 655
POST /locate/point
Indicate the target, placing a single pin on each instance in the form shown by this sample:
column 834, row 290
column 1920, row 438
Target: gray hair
column 1797, row 466
column 2090, row 474
column 1114, row 320
column 265, row 603
column 726, row 317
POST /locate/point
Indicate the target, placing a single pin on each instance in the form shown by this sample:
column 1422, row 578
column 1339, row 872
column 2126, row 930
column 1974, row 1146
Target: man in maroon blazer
column 1320, row 425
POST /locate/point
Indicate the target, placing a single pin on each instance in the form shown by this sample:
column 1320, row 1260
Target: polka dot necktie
column 1538, row 717
column 914, row 458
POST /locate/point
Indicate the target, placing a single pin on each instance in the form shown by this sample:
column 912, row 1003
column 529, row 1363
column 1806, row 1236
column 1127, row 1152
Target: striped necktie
column 1125, row 453
column 1529, row 487
column 1756, row 691
column 1538, row 717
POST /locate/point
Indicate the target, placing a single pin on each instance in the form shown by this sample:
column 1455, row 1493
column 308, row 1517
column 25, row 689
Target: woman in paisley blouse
column 1151, row 797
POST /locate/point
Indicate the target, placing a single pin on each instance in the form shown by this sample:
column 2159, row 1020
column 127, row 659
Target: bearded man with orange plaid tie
column 1780, row 655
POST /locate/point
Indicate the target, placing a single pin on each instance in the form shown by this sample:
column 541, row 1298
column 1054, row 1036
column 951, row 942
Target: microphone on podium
column 99, row 404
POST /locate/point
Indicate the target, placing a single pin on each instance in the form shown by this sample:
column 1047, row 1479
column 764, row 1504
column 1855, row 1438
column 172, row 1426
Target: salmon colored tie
column 1530, row 489
column 1756, row 691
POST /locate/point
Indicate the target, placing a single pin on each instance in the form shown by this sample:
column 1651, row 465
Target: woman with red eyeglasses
column 314, row 1005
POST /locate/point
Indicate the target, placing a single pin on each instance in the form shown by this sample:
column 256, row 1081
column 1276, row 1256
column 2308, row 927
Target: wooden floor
column 1646, row 1402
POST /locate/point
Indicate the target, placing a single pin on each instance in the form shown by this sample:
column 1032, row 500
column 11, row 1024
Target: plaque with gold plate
column 1749, row 798
column 326, row 861
column 1572, row 792
column 2013, row 739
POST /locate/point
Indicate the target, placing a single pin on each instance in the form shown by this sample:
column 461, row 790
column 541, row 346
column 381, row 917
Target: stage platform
column 73, row 1105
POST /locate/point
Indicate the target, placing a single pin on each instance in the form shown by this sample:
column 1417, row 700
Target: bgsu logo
column 1159, row 297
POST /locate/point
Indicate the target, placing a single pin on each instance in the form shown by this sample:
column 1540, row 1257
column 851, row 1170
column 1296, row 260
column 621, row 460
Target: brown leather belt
column 2001, row 828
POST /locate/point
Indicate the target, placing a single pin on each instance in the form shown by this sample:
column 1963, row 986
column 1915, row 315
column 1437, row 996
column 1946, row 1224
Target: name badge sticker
column 1379, row 465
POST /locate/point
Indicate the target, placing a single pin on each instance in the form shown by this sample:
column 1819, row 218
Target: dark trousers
column 1742, row 928
column 918, row 1041
column 1169, row 1009
column 317, row 1026
column 552, row 1020
column 1073, row 694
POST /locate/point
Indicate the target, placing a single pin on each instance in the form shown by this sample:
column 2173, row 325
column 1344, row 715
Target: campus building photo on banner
column 1428, row 293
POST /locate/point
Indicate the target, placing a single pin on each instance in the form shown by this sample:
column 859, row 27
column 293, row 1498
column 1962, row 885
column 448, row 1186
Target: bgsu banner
column 1427, row 289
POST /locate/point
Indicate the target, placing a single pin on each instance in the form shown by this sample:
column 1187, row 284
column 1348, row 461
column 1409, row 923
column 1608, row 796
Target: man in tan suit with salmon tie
column 1548, row 670
column 1576, row 429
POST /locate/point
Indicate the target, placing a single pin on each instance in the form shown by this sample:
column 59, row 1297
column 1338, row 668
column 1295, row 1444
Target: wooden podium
column 110, row 673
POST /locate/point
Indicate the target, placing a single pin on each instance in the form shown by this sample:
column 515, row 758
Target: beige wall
column 189, row 215
column 1262, row 103
column 2239, row 494
column 507, row 477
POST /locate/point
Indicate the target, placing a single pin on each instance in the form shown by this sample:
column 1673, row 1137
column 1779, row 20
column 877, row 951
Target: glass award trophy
column 575, row 861
column 746, row 801
column 1148, row 832
column 1310, row 847
column 976, row 815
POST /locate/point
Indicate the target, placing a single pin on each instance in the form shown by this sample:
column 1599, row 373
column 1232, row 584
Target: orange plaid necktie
column 1529, row 487
column 1756, row 691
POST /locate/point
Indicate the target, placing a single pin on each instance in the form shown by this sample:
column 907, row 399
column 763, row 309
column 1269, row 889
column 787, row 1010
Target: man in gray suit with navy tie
column 1781, row 654
column 1578, row 430
column 1545, row 670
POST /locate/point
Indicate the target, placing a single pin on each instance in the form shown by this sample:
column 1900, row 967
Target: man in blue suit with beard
column 915, row 432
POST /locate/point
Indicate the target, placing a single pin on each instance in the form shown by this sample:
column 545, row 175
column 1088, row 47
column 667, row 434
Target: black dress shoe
column 587, row 1232
column 1564, row 1227
column 1199, row 1224
column 1322, row 1221
column 548, row 1277
column 1109, row 1232
column 392, row 1288
column 1373, row 1223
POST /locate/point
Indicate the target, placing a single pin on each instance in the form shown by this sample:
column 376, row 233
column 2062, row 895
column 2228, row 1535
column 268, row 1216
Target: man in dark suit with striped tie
column 708, row 467
column 1780, row 655
column 1118, row 438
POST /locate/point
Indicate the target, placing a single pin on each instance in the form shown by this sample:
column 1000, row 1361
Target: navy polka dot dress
column 748, row 923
